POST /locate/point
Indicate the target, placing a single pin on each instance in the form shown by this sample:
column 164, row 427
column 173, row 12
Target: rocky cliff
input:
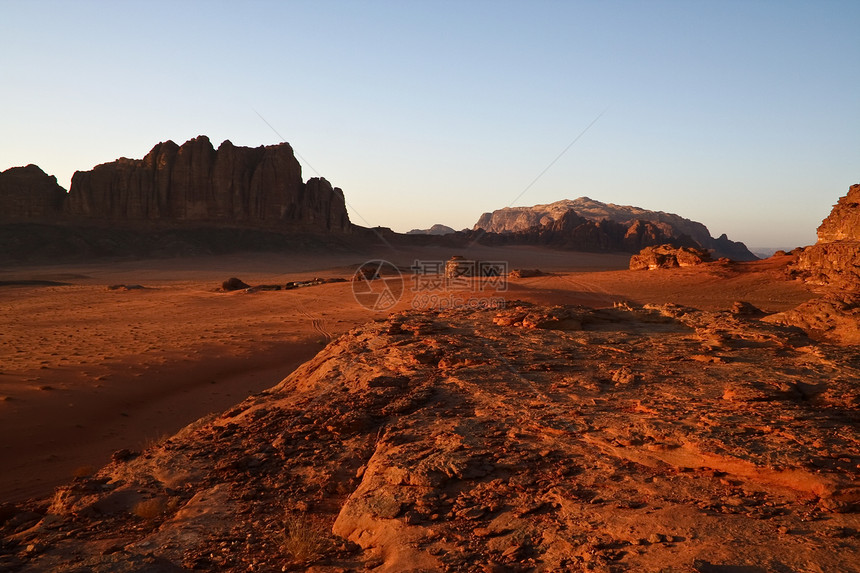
column 29, row 193
column 834, row 261
column 518, row 219
column 259, row 187
column 832, row 266
column 843, row 223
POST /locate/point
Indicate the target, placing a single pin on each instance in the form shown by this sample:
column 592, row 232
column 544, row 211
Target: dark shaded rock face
column 29, row 193
column 671, row 227
column 260, row 187
column 667, row 256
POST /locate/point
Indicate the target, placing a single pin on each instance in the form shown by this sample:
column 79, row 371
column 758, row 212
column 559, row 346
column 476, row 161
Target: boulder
column 233, row 283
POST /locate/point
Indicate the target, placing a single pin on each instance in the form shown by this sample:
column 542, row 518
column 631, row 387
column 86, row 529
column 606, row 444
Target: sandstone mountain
column 178, row 200
column 434, row 230
column 655, row 438
column 30, row 193
column 191, row 184
column 519, row 219
column 194, row 182
column 573, row 232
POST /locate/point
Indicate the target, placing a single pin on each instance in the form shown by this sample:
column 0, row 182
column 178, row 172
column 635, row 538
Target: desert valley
column 205, row 366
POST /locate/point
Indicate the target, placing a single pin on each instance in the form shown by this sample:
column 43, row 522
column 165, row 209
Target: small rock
column 655, row 538
column 233, row 283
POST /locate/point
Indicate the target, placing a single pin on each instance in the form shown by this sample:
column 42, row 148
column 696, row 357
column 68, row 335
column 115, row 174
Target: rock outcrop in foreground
column 260, row 186
column 672, row 228
column 834, row 261
column 523, row 439
column 832, row 266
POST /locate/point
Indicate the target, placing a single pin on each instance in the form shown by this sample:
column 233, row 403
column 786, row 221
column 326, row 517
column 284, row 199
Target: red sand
column 86, row 371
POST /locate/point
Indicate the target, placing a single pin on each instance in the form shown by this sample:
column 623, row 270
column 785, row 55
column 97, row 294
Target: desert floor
column 86, row 370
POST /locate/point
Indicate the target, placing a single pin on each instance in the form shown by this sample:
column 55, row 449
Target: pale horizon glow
column 741, row 115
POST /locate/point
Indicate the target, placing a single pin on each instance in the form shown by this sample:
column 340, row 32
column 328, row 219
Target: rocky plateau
column 651, row 227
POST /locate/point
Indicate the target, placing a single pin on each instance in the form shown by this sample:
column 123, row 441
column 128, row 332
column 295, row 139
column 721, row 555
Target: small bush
column 305, row 539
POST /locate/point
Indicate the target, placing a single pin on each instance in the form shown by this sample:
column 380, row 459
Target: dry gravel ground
column 599, row 421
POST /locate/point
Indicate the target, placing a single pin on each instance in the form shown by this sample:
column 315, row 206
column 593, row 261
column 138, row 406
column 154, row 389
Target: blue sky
column 742, row 115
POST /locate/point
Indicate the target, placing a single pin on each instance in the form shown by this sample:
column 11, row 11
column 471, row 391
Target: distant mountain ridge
column 521, row 219
column 436, row 229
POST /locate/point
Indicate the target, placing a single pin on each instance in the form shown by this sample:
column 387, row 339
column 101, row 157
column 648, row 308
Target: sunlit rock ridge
column 518, row 219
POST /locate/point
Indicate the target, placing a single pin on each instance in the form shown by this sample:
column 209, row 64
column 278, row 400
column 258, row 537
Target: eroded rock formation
column 193, row 182
column 671, row 227
column 28, row 193
column 832, row 265
column 834, row 261
column 668, row 256
column 843, row 223
column 530, row 438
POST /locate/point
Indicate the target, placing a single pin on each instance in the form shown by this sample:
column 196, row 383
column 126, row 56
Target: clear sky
column 744, row 115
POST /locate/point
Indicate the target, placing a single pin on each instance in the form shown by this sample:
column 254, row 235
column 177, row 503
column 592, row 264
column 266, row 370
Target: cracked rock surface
column 525, row 438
